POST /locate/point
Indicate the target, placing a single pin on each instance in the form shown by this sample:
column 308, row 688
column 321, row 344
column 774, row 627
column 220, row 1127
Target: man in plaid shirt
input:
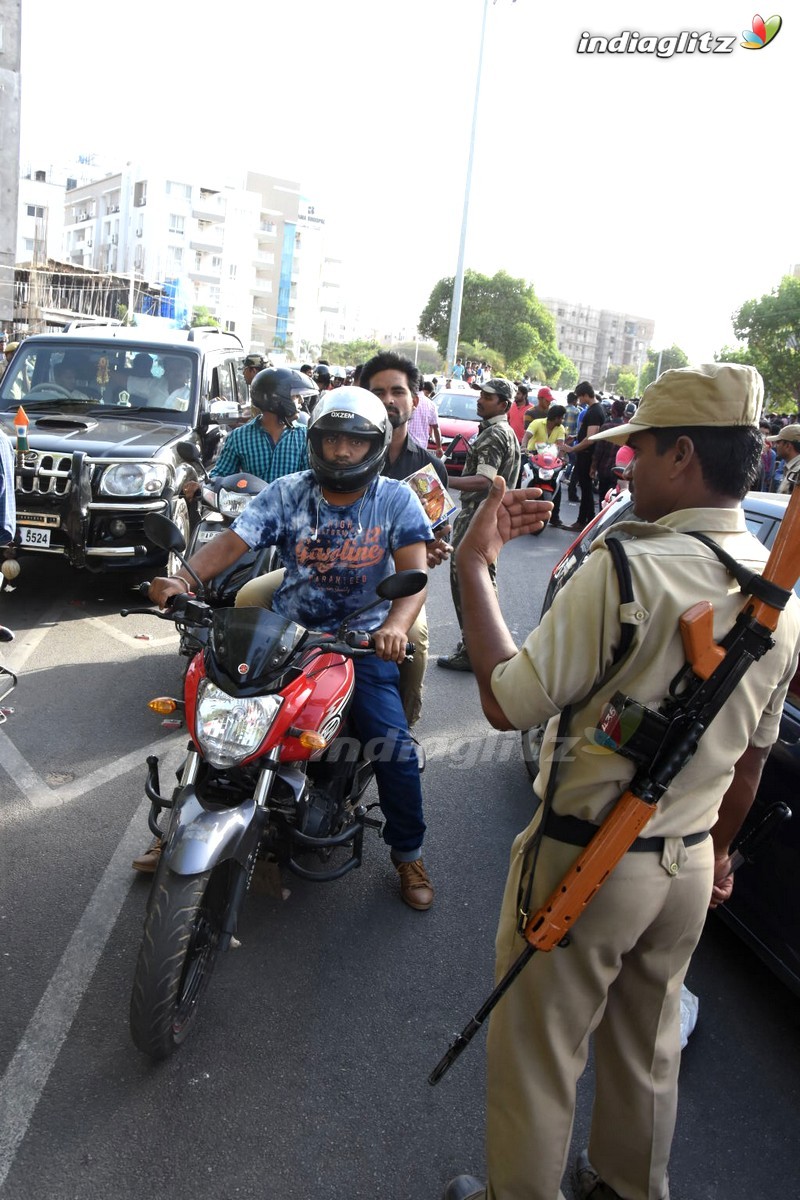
column 271, row 445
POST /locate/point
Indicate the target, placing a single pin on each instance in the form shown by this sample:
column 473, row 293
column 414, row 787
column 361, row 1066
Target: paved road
column 307, row 1073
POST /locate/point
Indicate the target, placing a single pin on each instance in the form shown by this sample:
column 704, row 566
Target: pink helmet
column 623, row 460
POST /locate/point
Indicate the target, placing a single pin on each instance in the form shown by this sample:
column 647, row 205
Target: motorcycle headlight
column 545, row 474
column 134, row 479
column 232, row 503
column 231, row 728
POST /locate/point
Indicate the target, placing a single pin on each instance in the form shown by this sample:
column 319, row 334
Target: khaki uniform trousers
column 258, row 593
column 619, row 979
column 460, row 527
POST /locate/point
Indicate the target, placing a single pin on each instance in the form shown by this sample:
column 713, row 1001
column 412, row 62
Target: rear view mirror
column 164, row 533
column 402, row 583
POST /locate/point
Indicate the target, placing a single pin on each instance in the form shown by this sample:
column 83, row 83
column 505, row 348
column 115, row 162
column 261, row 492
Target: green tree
column 349, row 353
column 202, row 316
column 770, row 330
column 626, row 383
column 500, row 311
column 428, row 357
column 671, row 359
column 479, row 352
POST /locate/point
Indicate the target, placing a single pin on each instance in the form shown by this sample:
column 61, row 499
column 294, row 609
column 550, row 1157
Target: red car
column 458, row 424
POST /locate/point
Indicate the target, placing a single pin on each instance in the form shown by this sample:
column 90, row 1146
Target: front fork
column 241, row 865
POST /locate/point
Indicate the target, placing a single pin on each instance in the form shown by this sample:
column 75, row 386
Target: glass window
column 103, row 375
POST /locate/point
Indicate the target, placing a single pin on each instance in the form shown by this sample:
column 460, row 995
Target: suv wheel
column 180, row 515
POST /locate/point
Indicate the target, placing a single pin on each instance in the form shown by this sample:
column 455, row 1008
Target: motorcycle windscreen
column 250, row 648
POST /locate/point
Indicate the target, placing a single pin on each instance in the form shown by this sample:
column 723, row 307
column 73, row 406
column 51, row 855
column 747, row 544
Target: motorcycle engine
column 317, row 812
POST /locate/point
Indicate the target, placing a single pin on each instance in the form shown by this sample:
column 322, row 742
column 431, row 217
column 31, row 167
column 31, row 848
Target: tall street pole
column 458, row 286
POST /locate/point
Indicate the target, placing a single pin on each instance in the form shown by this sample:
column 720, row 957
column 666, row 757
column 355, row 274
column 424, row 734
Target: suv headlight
column 232, row 503
column 134, row 479
column 231, row 728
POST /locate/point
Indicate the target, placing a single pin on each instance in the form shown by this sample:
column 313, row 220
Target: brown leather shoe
column 415, row 885
column 578, row 527
column 147, row 862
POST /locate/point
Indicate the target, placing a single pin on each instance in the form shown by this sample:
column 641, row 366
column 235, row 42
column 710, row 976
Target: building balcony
column 208, row 210
column 205, row 277
column 208, row 244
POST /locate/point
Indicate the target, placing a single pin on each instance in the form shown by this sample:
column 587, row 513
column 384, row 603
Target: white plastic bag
column 690, row 1006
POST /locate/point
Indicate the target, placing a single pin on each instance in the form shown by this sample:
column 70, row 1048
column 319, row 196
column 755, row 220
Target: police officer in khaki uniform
column 787, row 448
column 495, row 451
column 696, row 449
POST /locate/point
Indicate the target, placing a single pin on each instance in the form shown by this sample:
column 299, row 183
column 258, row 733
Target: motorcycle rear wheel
column 180, row 944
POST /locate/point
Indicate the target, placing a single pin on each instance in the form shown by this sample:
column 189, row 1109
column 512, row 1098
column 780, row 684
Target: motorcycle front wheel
column 179, row 948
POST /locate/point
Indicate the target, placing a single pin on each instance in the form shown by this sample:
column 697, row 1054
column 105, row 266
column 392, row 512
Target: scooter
column 544, row 469
column 270, row 777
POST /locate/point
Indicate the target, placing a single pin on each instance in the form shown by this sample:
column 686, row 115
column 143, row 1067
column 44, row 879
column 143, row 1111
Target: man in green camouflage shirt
column 494, row 451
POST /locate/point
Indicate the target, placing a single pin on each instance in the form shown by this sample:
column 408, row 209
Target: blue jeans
column 380, row 724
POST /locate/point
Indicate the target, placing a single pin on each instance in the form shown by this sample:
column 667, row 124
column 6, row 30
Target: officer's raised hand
column 504, row 515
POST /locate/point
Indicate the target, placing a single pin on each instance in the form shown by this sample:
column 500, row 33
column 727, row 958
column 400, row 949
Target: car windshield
column 455, row 404
column 100, row 376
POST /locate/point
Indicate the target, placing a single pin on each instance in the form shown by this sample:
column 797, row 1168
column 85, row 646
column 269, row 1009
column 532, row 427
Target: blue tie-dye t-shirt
column 335, row 556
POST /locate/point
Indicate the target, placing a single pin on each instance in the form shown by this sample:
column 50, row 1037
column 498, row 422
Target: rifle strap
column 625, row 583
column 750, row 582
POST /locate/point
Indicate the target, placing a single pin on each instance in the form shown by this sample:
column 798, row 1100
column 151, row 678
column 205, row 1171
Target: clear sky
column 661, row 186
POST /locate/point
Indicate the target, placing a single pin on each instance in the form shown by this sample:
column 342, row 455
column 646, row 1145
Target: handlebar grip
column 411, row 649
column 143, row 588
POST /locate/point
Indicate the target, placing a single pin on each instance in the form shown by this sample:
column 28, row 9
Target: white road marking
column 129, row 639
column 17, row 653
column 32, row 786
column 29, row 1070
column 40, row 795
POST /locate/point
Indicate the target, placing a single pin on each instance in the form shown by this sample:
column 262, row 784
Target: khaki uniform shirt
column 495, row 451
column 791, row 476
column 568, row 660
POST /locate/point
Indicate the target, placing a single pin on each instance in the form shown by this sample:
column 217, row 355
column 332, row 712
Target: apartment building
column 597, row 338
column 236, row 249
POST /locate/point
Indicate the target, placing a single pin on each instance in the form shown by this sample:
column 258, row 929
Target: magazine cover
column 436, row 500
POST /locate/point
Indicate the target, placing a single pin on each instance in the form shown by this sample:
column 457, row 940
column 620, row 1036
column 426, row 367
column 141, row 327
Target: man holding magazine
column 396, row 382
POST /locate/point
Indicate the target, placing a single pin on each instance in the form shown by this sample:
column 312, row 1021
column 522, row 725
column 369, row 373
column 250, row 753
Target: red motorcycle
column 270, row 775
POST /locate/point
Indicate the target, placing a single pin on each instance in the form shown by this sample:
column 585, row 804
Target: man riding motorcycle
column 272, row 444
column 340, row 529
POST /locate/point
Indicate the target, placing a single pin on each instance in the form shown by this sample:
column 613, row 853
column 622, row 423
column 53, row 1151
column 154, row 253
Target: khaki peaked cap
column 716, row 394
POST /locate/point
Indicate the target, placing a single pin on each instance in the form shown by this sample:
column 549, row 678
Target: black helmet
column 355, row 412
column 303, row 388
column 273, row 390
column 322, row 375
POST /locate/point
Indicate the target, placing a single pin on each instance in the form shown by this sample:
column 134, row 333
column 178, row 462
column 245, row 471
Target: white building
column 243, row 252
column 40, row 218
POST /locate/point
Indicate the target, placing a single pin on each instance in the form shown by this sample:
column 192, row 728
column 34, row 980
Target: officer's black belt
column 576, row 832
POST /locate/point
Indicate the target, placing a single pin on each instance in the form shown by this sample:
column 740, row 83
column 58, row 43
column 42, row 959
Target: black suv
column 107, row 407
